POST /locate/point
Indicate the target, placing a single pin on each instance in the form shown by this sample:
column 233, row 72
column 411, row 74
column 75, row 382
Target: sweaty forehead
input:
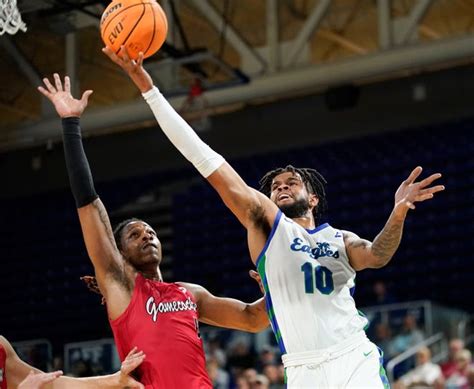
column 282, row 177
column 137, row 223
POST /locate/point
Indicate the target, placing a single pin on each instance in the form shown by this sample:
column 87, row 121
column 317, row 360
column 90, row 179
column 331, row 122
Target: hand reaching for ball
column 133, row 68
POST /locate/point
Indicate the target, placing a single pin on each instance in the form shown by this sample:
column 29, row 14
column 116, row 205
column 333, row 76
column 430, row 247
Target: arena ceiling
column 243, row 51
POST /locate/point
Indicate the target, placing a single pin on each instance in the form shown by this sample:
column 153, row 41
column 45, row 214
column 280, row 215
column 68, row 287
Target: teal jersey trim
column 269, row 304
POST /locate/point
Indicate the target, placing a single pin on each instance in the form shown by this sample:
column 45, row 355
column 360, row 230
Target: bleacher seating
column 43, row 254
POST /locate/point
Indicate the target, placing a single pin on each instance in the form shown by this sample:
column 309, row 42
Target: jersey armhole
column 138, row 281
column 269, row 239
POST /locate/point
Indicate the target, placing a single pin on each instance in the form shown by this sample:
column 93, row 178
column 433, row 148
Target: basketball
column 139, row 25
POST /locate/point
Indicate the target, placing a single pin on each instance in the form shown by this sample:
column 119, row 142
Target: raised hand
column 130, row 363
column 133, row 68
column 411, row 192
column 37, row 381
column 66, row 105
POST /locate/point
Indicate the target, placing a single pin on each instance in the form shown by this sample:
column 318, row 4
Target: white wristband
column 182, row 135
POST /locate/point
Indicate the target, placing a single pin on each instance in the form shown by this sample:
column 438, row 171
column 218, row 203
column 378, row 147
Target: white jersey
column 308, row 283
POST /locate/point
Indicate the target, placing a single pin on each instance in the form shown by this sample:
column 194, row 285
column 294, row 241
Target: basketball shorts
column 354, row 363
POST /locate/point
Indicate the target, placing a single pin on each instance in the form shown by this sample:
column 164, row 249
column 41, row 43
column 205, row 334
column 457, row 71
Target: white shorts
column 354, row 363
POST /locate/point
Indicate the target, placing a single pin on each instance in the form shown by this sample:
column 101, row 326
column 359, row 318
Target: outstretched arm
column 22, row 375
column 228, row 312
column 94, row 220
column 247, row 204
column 365, row 254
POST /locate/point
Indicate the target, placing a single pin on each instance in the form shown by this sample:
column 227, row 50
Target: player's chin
column 285, row 202
column 154, row 258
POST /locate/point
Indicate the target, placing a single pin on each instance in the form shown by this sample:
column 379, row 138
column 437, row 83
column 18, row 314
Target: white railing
column 386, row 310
column 437, row 338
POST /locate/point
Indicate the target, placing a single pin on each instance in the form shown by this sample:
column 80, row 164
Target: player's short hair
column 119, row 229
column 314, row 181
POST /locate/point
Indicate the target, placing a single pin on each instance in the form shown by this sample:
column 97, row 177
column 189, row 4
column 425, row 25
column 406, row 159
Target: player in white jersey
column 307, row 271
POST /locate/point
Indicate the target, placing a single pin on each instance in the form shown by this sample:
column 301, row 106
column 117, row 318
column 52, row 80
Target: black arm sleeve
column 80, row 177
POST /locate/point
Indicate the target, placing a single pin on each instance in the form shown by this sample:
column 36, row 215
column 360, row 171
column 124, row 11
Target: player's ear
column 313, row 200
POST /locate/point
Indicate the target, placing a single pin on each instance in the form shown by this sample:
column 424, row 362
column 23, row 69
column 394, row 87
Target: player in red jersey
column 14, row 373
column 159, row 318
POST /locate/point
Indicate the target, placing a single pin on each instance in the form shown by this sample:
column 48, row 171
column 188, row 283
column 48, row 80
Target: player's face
column 140, row 245
column 289, row 193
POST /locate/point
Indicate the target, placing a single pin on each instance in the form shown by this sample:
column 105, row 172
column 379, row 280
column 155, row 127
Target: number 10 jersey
column 308, row 283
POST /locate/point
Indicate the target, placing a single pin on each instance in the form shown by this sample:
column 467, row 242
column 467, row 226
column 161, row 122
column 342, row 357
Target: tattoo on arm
column 355, row 244
column 387, row 242
column 115, row 271
column 104, row 218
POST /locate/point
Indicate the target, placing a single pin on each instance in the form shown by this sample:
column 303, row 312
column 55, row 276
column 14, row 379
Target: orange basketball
column 139, row 25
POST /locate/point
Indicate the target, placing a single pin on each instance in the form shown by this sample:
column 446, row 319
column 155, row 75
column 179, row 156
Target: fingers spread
column 434, row 189
column 109, row 53
column 424, row 197
column 140, row 59
column 132, row 351
column 125, row 55
column 85, row 96
column 428, row 180
column 45, row 92
column 50, row 87
column 413, row 175
column 130, row 365
column 132, row 361
column 67, row 84
column 48, row 377
column 57, row 82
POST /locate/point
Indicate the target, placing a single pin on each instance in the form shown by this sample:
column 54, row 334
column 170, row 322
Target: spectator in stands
column 273, row 375
column 241, row 358
column 459, row 379
column 214, row 350
column 410, row 335
column 249, row 374
column 381, row 295
column 383, row 339
column 81, row 368
column 219, row 377
column 426, row 374
column 281, row 374
column 241, row 382
column 259, row 382
column 470, row 377
column 450, row 366
column 267, row 356
column 58, row 362
column 160, row 318
column 16, row 373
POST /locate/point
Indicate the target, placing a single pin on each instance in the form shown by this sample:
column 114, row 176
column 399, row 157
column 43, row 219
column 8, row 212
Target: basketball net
column 10, row 18
column 196, row 108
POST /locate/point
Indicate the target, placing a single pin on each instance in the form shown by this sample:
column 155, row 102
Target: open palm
column 131, row 362
column 65, row 104
column 411, row 192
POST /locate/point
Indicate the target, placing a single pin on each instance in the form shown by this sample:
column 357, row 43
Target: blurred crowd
column 235, row 360
column 239, row 366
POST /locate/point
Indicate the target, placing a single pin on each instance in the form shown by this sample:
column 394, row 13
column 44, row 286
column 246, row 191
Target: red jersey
column 162, row 321
column 3, row 367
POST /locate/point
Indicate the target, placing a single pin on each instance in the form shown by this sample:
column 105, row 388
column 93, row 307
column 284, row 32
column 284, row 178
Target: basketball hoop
column 10, row 18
